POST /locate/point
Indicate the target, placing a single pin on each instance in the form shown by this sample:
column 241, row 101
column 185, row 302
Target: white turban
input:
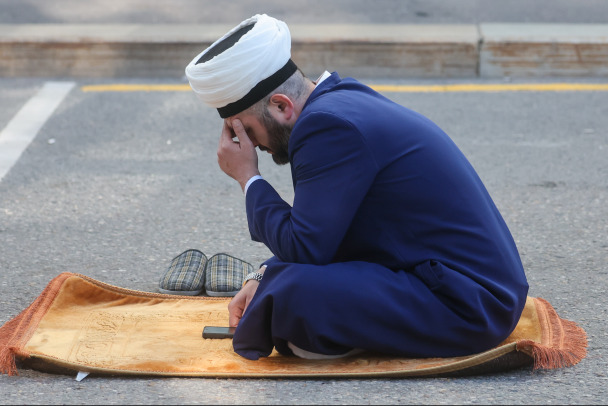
column 243, row 66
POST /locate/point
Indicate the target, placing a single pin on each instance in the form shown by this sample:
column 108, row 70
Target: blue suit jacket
column 377, row 182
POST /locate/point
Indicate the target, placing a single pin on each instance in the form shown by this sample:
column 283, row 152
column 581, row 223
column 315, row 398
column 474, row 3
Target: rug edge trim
column 16, row 333
column 458, row 365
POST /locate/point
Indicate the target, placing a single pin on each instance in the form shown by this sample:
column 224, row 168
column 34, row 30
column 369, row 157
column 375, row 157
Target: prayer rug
column 80, row 324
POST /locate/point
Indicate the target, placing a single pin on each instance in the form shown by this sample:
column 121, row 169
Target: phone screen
column 218, row 332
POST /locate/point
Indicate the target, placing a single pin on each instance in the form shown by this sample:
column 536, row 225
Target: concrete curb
column 392, row 51
column 543, row 50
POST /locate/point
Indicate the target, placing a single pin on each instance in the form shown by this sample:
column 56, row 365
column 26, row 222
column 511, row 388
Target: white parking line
column 24, row 127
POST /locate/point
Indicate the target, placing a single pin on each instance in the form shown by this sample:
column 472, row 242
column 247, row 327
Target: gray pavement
column 116, row 184
column 308, row 12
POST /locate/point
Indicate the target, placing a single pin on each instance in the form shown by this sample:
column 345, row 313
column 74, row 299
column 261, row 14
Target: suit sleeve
column 333, row 170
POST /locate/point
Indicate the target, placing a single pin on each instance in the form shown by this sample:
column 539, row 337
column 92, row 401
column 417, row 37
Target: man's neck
column 299, row 105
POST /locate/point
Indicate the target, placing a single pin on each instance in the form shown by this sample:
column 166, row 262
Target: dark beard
column 278, row 139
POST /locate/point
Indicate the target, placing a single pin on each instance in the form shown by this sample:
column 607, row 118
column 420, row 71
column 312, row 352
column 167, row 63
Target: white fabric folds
column 232, row 66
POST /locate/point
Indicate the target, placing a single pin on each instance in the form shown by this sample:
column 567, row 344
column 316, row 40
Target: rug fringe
column 15, row 333
column 564, row 343
column 7, row 360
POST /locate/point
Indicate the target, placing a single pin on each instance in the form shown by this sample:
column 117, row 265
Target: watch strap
column 253, row 275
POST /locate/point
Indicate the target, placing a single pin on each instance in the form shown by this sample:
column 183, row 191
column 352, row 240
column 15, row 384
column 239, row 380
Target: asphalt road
column 310, row 11
column 117, row 183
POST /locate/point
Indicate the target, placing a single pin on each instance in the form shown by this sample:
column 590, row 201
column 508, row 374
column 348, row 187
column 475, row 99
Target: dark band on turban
column 259, row 91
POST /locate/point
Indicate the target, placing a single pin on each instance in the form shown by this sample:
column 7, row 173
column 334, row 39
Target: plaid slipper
column 185, row 275
column 225, row 274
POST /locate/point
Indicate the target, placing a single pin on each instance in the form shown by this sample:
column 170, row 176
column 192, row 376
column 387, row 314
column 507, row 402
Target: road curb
column 363, row 50
column 543, row 50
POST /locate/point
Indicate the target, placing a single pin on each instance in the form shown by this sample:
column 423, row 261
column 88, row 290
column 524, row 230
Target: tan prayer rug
column 80, row 324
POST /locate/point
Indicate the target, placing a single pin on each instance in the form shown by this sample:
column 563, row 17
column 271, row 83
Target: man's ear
column 282, row 109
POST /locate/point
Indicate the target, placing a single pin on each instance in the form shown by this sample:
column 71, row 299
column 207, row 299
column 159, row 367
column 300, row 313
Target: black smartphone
column 218, row 332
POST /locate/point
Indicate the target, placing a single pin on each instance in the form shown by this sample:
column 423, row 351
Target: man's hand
column 238, row 305
column 238, row 160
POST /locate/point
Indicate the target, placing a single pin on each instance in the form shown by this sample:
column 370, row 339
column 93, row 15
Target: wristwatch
column 253, row 275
